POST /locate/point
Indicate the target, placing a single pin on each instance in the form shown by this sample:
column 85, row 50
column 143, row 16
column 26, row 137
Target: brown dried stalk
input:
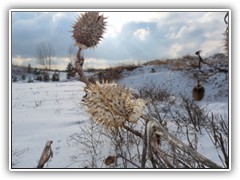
column 78, row 65
column 46, row 154
column 182, row 146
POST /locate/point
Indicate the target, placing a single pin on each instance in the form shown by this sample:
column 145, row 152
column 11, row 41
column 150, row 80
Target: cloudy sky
column 130, row 37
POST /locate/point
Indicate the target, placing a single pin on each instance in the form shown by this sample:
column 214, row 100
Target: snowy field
column 41, row 112
column 53, row 111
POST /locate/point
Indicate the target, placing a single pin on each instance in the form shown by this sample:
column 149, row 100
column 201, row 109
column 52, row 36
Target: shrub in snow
column 23, row 77
column 55, row 76
column 30, row 80
column 153, row 70
column 14, row 79
column 36, row 71
column 29, row 69
column 70, row 70
column 46, row 76
column 39, row 78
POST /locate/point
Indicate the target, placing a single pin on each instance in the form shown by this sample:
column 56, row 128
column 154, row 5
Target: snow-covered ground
column 41, row 112
column 53, row 111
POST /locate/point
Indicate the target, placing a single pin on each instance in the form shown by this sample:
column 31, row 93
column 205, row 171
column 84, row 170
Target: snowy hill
column 52, row 111
column 176, row 82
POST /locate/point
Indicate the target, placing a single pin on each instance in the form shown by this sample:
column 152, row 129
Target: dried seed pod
column 110, row 160
column 198, row 92
column 88, row 29
column 111, row 105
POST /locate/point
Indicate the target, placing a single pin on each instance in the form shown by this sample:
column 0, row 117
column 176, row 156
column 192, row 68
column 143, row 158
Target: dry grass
column 157, row 62
column 184, row 63
column 111, row 74
column 188, row 64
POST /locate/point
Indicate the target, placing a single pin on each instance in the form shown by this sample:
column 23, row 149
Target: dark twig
column 211, row 65
column 133, row 131
column 119, row 155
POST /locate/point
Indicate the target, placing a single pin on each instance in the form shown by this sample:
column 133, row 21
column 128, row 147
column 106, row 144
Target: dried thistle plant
column 226, row 34
column 88, row 29
column 87, row 32
column 111, row 105
column 226, row 42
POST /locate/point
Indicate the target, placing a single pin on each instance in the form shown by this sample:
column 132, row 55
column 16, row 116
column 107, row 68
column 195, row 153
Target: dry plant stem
column 226, row 18
column 144, row 150
column 119, row 155
column 46, row 154
column 216, row 136
column 179, row 144
column 223, row 150
column 219, row 69
column 133, row 131
column 211, row 65
column 78, row 65
column 144, row 153
column 163, row 156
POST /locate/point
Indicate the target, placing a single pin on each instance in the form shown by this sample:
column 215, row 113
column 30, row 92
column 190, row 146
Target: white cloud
column 57, row 16
column 21, row 61
column 212, row 46
column 182, row 31
column 174, row 50
column 210, row 17
column 95, row 63
column 116, row 20
column 168, row 34
column 142, row 34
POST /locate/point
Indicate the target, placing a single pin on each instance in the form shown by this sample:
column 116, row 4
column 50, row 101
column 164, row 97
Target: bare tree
column 72, row 53
column 44, row 52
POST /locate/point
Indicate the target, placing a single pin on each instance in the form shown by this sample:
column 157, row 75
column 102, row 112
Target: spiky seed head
column 88, row 29
column 111, row 105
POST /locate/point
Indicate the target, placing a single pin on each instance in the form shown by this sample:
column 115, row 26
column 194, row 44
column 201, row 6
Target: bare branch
column 209, row 64
column 133, row 131
column 71, row 53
